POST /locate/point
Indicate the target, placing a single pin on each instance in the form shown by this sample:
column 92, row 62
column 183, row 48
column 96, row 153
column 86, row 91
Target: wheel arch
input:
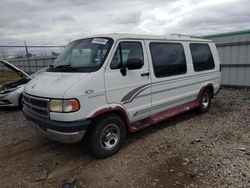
column 210, row 87
column 117, row 110
column 20, row 101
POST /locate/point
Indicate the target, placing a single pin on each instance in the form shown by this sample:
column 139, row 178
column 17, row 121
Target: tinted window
column 168, row 59
column 125, row 51
column 202, row 57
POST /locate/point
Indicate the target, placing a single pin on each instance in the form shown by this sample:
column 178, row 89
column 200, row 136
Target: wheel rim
column 205, row 101
column 110, row 136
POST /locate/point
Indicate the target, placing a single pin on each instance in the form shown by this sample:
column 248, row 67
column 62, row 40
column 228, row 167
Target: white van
column 108, row 85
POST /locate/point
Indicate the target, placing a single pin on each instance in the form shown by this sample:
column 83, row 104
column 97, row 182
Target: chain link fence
column 29, row 58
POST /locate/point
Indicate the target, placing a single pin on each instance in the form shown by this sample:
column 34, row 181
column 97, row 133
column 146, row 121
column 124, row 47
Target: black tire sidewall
column 94, row 139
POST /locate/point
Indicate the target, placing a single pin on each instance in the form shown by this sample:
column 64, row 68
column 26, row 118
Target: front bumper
column 10, row 99
column 64, row 132
column 6, row 103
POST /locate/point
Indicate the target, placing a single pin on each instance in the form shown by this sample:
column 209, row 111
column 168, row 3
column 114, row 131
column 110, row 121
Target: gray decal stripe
column 136, row 94
column 183, row 86
column 135, row 91
column 175, row 87
column 144, row 95
column 129, row 97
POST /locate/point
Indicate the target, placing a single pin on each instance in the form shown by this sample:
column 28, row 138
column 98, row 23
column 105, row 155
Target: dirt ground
column 190, row 150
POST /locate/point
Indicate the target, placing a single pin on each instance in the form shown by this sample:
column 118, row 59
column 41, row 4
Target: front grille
column 37, row 105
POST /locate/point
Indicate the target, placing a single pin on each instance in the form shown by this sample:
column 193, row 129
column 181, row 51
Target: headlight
column 65, row 105
column 56, row 105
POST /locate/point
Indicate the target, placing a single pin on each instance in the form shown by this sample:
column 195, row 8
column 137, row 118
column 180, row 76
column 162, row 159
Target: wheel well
column 211, row 89
column 116, row 112
column 20, row 100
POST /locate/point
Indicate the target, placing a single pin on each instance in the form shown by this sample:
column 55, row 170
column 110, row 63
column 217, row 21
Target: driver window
column 124, row 52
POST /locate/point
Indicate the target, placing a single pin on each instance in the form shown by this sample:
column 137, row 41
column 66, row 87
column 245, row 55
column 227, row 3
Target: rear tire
column 205, row 101
column 106, row 136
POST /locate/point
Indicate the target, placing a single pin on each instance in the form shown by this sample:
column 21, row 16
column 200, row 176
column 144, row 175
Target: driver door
column 132, row 90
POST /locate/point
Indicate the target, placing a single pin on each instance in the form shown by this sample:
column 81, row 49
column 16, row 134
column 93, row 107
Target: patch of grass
column 8, row 76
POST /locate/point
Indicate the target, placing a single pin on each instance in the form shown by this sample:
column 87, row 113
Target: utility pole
column 27, row 55
column 44, row 46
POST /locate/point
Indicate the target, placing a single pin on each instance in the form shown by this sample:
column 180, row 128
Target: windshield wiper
column 67, row 67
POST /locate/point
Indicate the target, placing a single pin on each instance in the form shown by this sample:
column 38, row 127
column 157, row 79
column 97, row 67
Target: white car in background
column 11, row 92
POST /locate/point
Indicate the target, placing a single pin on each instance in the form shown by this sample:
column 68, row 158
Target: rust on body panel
column 166, row 114
column 154, row 118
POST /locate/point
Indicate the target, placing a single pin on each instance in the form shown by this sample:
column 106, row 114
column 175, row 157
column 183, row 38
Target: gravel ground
column 190, row 150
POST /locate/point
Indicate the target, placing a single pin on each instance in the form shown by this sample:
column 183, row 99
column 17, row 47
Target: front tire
column 107, row 136
column 205, row 101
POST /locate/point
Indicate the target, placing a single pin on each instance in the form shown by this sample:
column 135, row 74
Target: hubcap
column 110, row 136
column 205, row 101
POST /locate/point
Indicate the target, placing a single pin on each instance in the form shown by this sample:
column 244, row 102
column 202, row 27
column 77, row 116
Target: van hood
column 53, row 84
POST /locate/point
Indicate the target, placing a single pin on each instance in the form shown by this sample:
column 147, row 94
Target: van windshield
column 85, row 55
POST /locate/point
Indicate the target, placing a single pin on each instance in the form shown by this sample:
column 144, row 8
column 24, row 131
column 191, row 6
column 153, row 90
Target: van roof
column 174, row 37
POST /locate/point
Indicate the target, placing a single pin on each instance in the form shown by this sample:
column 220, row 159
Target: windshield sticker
column 99, row 41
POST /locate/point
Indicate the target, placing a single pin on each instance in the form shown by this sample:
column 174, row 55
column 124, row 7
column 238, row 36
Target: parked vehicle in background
column 107, row 85
column 11, row 92
column 12, row 82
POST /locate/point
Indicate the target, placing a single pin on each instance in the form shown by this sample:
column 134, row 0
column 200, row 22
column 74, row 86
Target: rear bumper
column 64, row 132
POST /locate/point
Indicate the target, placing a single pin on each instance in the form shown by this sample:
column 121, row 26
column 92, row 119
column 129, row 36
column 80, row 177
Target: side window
column 168, row 59
column 202, row 57
column 124, row 52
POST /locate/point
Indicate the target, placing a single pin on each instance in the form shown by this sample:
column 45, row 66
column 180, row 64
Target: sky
column 57, row 22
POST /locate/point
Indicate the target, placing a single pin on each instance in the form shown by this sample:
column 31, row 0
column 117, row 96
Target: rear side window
column 202, row 57
column 124, row 52
column 168, row 59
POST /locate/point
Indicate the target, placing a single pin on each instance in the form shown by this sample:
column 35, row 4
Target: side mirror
column 123, row 71
column 133, row 64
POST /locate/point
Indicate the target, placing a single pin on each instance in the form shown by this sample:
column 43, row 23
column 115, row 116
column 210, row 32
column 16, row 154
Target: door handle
column 145, row 74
